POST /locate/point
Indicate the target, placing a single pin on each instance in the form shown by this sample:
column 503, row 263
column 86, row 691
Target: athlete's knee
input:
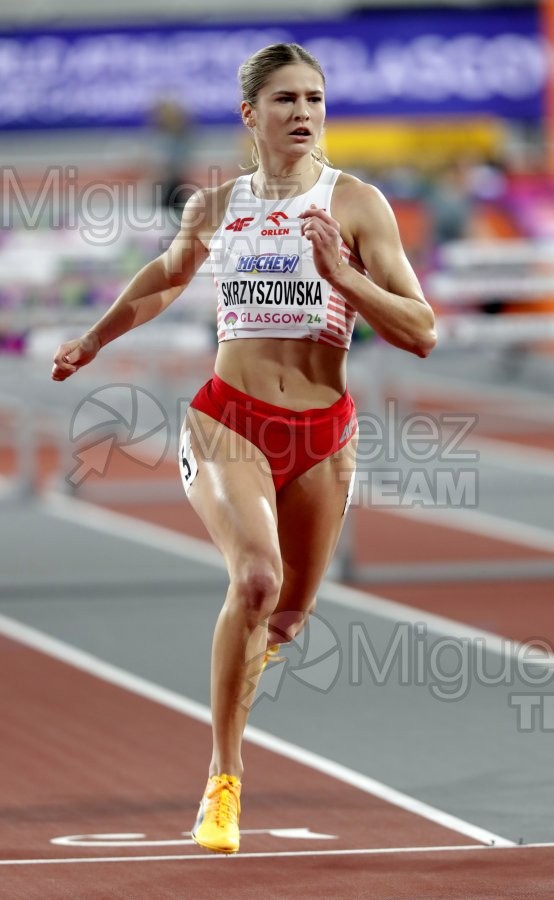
column 257, row 585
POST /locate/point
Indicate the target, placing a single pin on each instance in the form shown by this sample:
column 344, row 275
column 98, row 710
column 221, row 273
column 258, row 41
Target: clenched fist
column 73, row 355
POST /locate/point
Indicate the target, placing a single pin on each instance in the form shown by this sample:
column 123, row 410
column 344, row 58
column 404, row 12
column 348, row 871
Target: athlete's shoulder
column 210, row 203
column 205, row 209
column 353, row 189
column 357, row 200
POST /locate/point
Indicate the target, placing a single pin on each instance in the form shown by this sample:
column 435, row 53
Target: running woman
column 267, row 451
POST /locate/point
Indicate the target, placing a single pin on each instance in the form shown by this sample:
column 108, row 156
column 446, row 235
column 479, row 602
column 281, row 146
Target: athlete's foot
column 217, row 823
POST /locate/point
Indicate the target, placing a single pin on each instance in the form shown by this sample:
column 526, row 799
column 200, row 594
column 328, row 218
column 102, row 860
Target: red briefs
column 291, row 441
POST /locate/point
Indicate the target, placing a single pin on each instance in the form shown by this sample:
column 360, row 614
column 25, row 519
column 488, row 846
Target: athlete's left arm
column 391, row 300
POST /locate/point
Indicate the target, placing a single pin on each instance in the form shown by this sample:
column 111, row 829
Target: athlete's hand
column 324, row 234
column 73, row 355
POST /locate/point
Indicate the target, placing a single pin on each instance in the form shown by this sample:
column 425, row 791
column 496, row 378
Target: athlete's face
column 290, row 111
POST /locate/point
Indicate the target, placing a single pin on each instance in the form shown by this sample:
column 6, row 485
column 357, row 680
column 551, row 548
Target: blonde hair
column 258, row 68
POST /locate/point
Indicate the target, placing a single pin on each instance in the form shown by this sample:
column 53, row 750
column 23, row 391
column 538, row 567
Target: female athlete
column 267, row 452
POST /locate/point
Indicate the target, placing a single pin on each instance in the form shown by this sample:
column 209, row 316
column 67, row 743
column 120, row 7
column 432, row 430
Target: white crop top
column 267, row 283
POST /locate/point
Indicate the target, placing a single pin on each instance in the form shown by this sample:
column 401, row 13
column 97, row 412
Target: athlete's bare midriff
column 296, row 374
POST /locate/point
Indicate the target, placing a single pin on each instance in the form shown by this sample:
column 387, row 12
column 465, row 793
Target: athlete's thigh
column 231, row 489
column 311, row 513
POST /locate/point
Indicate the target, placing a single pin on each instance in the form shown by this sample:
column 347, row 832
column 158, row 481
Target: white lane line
column 125, row 527
column 535, row 405
column 510, row 455
column 140, row 840
column 86, row 662
column 486, row 524
column 128, row 528
column 371, row 604
column 362, row 851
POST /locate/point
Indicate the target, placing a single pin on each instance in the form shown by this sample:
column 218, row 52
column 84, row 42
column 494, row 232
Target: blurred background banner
column 379, row 63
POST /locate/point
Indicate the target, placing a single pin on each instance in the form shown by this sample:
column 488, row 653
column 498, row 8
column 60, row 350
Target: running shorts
column 291, row 441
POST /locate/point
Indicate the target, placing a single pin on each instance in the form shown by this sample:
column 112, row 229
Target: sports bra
column 266, row 281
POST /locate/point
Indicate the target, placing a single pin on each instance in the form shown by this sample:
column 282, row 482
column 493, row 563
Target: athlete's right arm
column 149, row 293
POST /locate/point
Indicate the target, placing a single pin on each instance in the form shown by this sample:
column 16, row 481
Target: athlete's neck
column 278, row 182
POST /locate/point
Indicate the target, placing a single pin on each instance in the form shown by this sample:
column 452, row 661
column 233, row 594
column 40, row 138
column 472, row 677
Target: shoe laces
column 223, row 800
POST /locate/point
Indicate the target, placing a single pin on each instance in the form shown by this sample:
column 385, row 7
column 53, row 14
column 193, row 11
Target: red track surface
column 80, row 756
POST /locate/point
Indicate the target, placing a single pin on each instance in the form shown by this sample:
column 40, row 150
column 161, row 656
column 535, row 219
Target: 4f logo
column 276, row 217
column 348, row 430
column 240, row 223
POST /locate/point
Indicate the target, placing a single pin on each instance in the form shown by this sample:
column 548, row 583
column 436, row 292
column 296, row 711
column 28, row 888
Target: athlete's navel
column 281, row 383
